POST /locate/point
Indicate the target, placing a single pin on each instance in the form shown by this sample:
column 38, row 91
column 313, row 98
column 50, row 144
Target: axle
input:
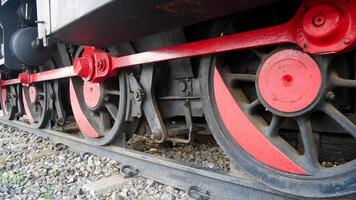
column 319, row 27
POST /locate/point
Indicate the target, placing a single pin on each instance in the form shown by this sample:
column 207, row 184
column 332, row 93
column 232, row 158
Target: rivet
column 330, row 96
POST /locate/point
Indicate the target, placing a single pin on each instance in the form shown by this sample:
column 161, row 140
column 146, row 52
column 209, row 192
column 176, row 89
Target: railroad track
column 197, row 181
column 272, row 81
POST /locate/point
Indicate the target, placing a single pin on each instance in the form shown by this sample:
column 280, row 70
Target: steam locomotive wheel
column 9, row 102
column 37, row 103
column 99, row 108
column 250, row 99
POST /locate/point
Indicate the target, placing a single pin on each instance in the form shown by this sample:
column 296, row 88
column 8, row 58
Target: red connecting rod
column 318, row 27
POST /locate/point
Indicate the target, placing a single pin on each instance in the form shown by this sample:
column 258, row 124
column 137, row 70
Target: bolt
column 107, row 98
column 347, row 41
column 319, row 20
column 101, row 64
column 37, row 44
column 156, row 136
column 330, row 96
column 137, row 95
column 182, row 86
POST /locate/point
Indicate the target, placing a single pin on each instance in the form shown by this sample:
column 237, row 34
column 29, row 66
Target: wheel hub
column 289, row 81
column 92, row 94
column 33, row 94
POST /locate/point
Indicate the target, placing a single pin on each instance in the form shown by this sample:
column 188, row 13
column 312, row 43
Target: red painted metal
column 327, row 26
column 92, row 94
column 14, row 81
column 27, row 108
column 64, row 72
column 94, row 65
column 3, row 100
column 289, row 80
column 268, row 36
column 27, row 79
column 318, row 27
column 79, row 116
column 246, row 134
column 33, row 94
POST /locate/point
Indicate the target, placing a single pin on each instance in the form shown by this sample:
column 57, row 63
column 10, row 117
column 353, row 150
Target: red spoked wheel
column 270, row 108
column 38, row 102
column 100, row 108
column 9, row 100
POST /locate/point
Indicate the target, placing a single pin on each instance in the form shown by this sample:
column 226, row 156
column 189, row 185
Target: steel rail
column 220, row 185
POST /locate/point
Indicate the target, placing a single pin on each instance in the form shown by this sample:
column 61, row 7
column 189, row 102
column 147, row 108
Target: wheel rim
column 100, row 116
column 9, row 102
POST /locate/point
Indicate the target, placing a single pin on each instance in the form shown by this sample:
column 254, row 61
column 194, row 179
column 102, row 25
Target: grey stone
column 104, row 185
column 44, row 153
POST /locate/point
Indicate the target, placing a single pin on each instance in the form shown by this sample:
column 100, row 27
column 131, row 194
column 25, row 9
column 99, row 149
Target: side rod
column 262, row 37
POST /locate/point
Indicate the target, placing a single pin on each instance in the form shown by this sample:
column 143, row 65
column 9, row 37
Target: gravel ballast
column 33, row 168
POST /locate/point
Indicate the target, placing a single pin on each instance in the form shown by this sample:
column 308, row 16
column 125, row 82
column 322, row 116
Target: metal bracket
column 61, row 114
column 150, row 108
column 135, row 97
column 85, row 156
column 50, row 98
column 196, row 193
column 60, row 146
column 20, row 108
column 189, row 122
column 128, row 171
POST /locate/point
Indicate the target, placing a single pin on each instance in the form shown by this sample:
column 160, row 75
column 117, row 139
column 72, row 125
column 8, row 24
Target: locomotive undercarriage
column 275, row 86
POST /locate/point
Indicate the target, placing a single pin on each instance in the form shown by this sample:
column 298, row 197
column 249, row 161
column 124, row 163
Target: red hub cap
column 32, row 93
column 289, row 81
column 92, row 94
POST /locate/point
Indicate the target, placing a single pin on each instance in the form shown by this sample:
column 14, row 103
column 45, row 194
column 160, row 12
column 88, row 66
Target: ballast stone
column 105, row 185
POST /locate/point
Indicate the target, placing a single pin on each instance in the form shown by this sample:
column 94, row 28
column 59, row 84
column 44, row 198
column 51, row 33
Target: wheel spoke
column 310, row 148
column 40, row 93
column 229, row 77
column 41, row 102
column 105, row 121
column 259, row 53
column 341, row 82
column 340, row 118
column 253, row 106
column 37, row 107
column 272, row 129
column 113, row 92
column 112, row 109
